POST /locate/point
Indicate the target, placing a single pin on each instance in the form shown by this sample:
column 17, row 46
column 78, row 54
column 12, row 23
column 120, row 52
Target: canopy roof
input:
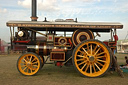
column 40, row 25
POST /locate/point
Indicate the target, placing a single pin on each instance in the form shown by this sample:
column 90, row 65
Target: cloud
column 122, row 7
column 115, row 0
column 3, row 10
column 25, row 3
column 80, row 0
column 49, row 5
column 91, row 0
column 46, row 5
column 67, row 0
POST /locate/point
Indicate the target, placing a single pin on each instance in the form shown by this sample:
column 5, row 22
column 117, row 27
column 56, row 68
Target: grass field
column 52, row 75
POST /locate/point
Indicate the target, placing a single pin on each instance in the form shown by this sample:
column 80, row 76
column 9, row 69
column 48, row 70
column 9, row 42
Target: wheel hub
column 29, row 64
column 91, row 58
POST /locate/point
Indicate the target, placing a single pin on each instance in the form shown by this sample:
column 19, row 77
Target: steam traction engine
column 90, row 57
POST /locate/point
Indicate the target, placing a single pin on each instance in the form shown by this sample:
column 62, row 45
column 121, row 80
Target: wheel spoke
column 35, row 62
column 101, row 53
column 99, row 63
column 97, row 51
column 35, row 65
column 34, row 59
column 97, row 67
column 90, row 69
column 83, row 66
column 82, row 63
column 31, row 70
column 24, row 68
column 100, row 56
column 30, row 59
column 87, row 47
column 27, row 69
column 86, row 68
column 101, row 60
column 94, row 68
column 25, row 60
column 85, row 51
column 91, row 49
column 81, row 56
column 23, row 65
column 95, row 48
column 81, row 51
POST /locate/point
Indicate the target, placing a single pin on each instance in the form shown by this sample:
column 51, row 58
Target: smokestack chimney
column 34, row 8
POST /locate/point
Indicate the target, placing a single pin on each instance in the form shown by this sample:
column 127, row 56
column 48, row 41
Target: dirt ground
column 52, row 75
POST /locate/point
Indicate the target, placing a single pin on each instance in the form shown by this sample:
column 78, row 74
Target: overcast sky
column 84, row 10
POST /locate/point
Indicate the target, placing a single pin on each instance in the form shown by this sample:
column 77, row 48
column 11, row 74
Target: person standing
column 126, row 58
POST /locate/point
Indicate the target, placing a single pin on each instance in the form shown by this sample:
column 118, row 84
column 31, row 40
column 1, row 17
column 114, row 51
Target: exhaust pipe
column 34, row 10
column 34, row 16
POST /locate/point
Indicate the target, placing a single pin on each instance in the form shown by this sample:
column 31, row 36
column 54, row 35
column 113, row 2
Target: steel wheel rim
column 28, row 64
column 92, row 59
